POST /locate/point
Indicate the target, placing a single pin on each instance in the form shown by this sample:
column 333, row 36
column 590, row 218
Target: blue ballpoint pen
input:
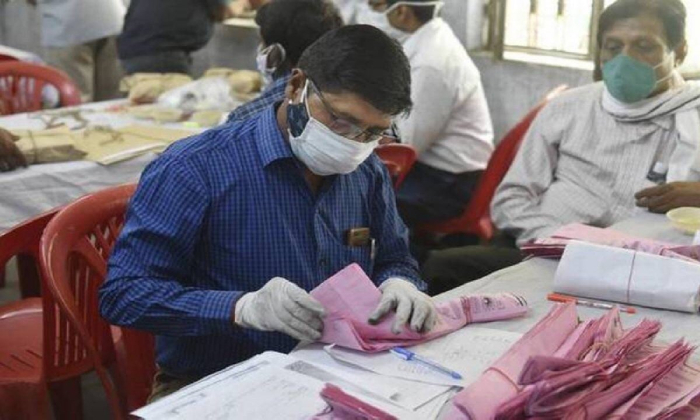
column 411, row 356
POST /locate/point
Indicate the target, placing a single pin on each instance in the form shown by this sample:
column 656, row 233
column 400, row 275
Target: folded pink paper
column 553, row 246
column 342, row 406
column 350, row 297
column 499, row 383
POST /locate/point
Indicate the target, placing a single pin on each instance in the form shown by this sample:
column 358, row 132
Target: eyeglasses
column 351, row 131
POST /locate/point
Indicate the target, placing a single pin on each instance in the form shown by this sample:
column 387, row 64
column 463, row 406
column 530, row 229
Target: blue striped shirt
column 220, row 214
column 271, row 95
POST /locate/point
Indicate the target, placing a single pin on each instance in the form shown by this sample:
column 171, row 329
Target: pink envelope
column 498, row 384
column 350, row 297
column 553, row 246
column 342, row 406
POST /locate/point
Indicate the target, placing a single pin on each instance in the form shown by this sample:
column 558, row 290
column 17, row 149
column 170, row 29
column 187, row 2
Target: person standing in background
column 79, row 37
column 160, row 35
column 450, row 124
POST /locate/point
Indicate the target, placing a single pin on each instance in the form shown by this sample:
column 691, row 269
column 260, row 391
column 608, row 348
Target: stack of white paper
column 622, row 275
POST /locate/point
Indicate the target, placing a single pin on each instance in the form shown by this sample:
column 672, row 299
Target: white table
column 27, row 192
column 533, row 280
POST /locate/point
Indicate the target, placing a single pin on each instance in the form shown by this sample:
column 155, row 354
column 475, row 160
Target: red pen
column 556, row 297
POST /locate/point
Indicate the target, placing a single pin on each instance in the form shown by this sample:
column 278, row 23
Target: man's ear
column 295, row 86
column 681, row 53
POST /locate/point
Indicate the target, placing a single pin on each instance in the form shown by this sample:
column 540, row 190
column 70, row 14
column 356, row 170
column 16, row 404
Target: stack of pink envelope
column 350, row 297
column 598, row 371
column 553, row 246
column 342, row 406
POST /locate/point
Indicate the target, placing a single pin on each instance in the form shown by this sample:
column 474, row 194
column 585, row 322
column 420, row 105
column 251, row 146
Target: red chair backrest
column 22, row 241
column 5, row 57
column 476, row 220
column 399, row 159
column 75, row 248
column 21, row 87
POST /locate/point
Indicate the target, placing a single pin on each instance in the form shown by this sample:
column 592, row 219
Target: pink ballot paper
column 553, row 247
column 499, row 383
column 350, row 297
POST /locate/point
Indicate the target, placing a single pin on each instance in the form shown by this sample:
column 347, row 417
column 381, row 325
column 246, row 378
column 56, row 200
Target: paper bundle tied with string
column 48, row 146
column 146, row 87
column 107, row 146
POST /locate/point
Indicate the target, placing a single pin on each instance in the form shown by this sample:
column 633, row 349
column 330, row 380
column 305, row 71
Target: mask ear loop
column 269, row 53
column 303, row 95
column 671, row 55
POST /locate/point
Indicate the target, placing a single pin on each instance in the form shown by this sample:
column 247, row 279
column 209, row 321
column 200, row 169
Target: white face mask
column 381, row 19
column 325, row 152
column 263, row 61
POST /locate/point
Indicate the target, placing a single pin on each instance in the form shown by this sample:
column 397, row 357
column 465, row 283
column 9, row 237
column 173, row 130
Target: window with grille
column 566, row 28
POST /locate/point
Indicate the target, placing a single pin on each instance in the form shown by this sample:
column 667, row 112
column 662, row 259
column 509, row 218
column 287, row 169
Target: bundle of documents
column 595, row 369
column 103, row 145
column 627, row 276
column 553, row 246
column 350, row 297
column 107, row 146
column 48, row 146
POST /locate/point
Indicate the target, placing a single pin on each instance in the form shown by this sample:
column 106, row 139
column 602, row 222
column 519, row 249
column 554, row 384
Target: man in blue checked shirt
column 229, row 230
column 287, row 28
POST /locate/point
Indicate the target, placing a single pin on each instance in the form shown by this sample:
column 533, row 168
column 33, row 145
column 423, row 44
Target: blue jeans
column 162, row 62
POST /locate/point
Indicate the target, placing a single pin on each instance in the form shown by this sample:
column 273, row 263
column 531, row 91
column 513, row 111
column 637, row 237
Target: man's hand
column 663, row 198
column 10, row 156
column 408, row 302
column 281, row 306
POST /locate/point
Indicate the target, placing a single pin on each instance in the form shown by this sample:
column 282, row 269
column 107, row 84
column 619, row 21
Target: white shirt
column 66, row 23
column 580, row 164
column 450, row 124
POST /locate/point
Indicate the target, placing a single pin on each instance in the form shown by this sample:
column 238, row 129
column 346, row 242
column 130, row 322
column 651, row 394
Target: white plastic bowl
column 686, row 219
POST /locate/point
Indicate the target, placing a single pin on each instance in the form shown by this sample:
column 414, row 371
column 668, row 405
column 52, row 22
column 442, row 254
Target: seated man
column 287, row 28
column 10, row 156
column 593, row 148
column 450, row 125
column 229, row 230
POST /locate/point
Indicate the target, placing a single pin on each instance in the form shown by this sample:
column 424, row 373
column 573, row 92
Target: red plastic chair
column 21, row 87
column 75, row 248
column 22, row 241
column 399, row 159
column 476, row 219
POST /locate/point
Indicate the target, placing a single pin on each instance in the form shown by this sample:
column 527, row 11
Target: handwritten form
column 468, row 351
column 255, row 389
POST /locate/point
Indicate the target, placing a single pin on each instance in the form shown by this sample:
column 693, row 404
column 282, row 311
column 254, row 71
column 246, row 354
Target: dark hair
column 361, row 59
column 423, row 13
column 672, row 14
column 296, row 24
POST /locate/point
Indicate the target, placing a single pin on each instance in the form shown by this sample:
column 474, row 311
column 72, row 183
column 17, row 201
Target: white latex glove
column 409, row 302
column 281, row 306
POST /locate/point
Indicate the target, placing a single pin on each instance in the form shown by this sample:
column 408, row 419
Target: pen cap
column 402, row 352
column 555, row 297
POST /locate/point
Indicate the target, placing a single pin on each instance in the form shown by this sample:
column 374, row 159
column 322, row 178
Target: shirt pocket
column 361, row 255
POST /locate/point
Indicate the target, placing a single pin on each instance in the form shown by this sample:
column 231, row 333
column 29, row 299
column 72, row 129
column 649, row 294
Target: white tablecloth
column 27, row 192
column 533, row 279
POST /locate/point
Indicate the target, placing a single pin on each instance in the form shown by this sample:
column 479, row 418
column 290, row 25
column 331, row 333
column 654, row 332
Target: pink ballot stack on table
column 553, row 246
column 562, row 369
column 349, row 298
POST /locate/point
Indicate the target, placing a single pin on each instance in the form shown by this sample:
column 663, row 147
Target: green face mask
column 629, row 80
